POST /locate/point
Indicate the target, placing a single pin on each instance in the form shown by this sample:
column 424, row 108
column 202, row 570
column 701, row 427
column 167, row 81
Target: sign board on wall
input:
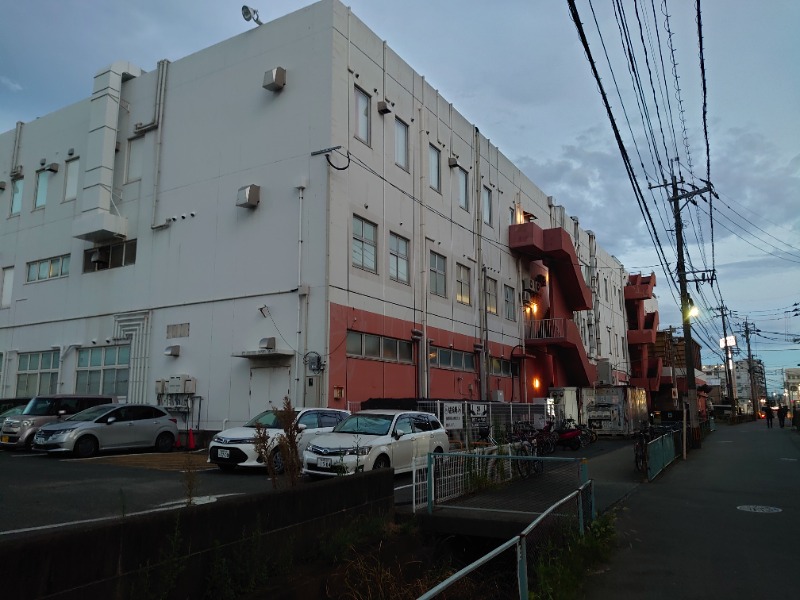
column 453, row 415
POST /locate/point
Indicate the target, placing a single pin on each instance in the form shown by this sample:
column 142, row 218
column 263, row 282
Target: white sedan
column 375, row 439
column 236, row 447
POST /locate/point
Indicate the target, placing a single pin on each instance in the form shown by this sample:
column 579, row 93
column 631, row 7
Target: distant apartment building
column 293, row 212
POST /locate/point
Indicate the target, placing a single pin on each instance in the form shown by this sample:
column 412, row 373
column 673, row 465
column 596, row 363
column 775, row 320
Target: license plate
column 4, row 439
column 223, row 453
column 324, row 463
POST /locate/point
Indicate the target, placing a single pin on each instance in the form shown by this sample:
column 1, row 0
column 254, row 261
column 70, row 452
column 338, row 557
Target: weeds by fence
column 559, row 528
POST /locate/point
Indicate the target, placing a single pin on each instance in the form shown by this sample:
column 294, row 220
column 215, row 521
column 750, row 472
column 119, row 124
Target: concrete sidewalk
column 723, row 524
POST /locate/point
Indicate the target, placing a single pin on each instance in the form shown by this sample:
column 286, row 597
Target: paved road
column 687, row 535
column 37, row 491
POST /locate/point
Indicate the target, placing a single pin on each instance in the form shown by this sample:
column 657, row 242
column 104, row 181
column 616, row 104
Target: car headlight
column 26, row 423
column 358, row 451
column 63, row 432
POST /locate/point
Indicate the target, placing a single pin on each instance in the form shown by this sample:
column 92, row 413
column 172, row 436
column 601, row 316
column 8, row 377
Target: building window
column 363, row 116
column 103, row 370
column 49, row 268
column 37, row 373
column 42, row 179
column 438, row 282
column 512, row 215
column 401, row 144
column 502, row 367
column 110, row 256
column 71, row 180
column 17, row 186
column 135, row 159
column 509, row 305
column 486, row 206
column 447, row 358
column 8, row 284
column 398, row 258
column 462, row 177
column 364, row 244
column 605, row 284
column 434, row 168
column 491, row 296
column 463, row 282
column 365, row 345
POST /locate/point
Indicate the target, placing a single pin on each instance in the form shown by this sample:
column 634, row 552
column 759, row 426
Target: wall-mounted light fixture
column 174, row 350
column 250, row 14
column 264, row 310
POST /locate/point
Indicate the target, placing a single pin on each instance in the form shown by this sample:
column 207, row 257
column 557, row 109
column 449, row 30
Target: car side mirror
column 302, row 427
column 111, row 420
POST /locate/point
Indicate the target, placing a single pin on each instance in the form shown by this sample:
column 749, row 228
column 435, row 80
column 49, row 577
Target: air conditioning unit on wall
column 604, row 372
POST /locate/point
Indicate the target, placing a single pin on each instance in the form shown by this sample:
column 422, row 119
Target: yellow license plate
column 4, row 439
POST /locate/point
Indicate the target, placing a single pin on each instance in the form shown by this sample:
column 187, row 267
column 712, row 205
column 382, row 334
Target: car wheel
column 85, row 447
column 277, row 461
column 164, row 442
column 226, row 467
column 382, row 462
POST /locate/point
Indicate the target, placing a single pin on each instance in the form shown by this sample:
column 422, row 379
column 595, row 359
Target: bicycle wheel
column 523, row 464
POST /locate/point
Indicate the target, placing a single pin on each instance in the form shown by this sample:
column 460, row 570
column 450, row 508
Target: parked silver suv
column 18, row 431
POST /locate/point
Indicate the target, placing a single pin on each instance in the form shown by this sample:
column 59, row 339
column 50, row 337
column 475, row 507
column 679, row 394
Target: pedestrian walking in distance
column 768, row 414
column 782, row 412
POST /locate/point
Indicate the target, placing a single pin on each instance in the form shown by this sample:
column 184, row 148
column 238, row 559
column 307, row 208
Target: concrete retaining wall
column 171, row 554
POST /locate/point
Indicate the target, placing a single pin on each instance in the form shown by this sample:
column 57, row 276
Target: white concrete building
column 291, row 212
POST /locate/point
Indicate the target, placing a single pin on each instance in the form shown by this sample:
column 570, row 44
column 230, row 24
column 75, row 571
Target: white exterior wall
column 216, row 264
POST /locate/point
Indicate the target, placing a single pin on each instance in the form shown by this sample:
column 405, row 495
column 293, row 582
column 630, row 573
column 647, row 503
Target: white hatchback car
column 375, row 439
column 235, row 447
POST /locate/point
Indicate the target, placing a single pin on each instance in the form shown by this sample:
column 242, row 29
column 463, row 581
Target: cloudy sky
column 518, row 70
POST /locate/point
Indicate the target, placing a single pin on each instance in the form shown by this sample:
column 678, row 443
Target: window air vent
column 249, row 196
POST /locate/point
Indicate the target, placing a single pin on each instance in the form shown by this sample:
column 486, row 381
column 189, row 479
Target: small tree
column 288, row 443
column 284, row 445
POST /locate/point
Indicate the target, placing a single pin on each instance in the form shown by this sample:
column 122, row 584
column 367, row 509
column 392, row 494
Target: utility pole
column 753, row 397
column 691, row 383
column 728, row 362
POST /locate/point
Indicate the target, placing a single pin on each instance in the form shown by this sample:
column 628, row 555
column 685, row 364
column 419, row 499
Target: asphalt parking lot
column 42, row 493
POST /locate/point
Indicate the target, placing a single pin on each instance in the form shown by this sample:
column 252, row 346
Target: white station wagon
column 375, row 439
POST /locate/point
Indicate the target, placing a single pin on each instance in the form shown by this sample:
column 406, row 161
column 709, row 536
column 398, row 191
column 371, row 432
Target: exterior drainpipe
column 424, row 347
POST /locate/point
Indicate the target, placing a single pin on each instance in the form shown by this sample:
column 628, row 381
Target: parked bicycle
column 640, row 449
column 526, row 465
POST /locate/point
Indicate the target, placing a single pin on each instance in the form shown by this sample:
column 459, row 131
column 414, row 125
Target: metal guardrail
column 569, row 512
column 478, row 480
column 662, row 451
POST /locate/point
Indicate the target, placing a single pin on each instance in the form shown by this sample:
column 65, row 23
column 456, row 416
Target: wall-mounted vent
column 249, row 196
column 384, row 107
column 52, row 167
column 274, row 79
column 267, row 343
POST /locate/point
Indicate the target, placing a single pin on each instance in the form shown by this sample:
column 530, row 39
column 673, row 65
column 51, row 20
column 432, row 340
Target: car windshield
column 268, row 419
column 90, row 414
column 17, row 410
column 38, row 407
column 367, row 424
